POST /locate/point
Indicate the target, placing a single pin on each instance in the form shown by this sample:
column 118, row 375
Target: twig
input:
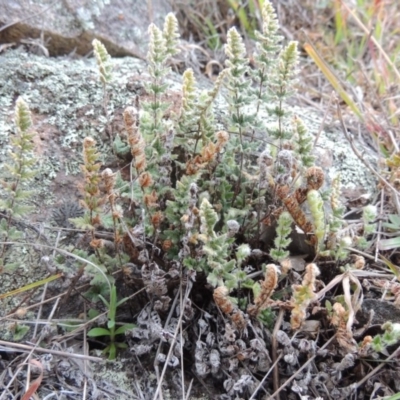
column 277, row 326
column 189, row 390
column 181, row 339
column 25, row 347
column 159, row 345
column 85, row 363
column 32, row 349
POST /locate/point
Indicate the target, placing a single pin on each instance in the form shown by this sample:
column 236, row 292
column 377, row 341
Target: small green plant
column 393, row 227
column 112, row 330
column 18, row 175
column 369, row 225
column 303, row 295
column 19, row 331
column 282, row 240
column 390, row 337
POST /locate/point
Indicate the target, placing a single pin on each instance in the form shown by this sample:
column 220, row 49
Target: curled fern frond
column 103, row 61
column 304, row 143
column 208, row 219
column 23, row 119
column 171, row 34
column 157, row 46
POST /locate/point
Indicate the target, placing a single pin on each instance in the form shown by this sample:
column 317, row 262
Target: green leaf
column 105, row 302
column 122, row 329
column 394, row 397
column 112, row 350
column 394, row 268
column 113, row 304
column 122, row 301
column 95, row 332
column 208, row 219
column 111, row 324
column 83, row 223
column 92, row 313
column 20, row 332
column 14, row 234
column 388, row 244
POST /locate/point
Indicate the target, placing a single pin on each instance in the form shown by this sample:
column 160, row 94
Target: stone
column 68, row 26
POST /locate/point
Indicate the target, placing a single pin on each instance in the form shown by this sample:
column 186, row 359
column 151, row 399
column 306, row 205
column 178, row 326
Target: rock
column 68, row 26
column 382, row 311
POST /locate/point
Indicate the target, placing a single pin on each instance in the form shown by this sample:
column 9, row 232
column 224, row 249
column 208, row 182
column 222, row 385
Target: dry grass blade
column 328, row 73
column 25, row 347
column 354, row 301
column 31, row 286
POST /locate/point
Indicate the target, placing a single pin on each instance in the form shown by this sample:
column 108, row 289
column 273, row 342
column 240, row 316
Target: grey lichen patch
column 116, row 376
column 335, row 155
column 67, row 102
column 120, row 375
column 353, row 172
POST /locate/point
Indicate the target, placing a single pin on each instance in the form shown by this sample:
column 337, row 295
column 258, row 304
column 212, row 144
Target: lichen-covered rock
column 63, row 27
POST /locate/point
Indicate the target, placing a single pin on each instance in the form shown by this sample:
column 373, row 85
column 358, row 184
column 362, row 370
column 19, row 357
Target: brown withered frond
column 226, row 305
column 222, row 300
column 97, row 243
column 166, row 244
column 156, row 219
column 150, row 199
column 301, row 195
column 294, row 209
column 145, row 180
column 193, row 166
column 208, row 152
column 135, row 139
column 238, row 319
column 315, row 178
column 343, row 335
column 222, row 138
column 268, row 286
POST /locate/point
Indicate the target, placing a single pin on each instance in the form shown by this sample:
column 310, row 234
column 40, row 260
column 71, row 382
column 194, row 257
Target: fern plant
column 200, row 194
column 190, row 181
column 20, row 172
